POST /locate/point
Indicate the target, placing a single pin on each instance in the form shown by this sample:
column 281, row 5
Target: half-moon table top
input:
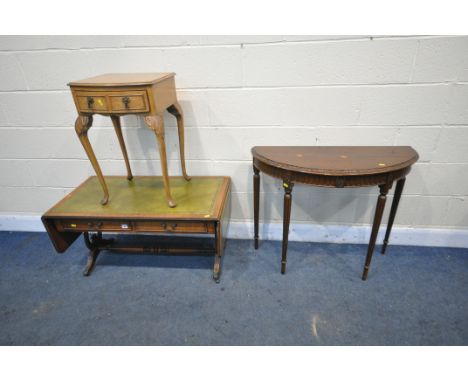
column 337, row 160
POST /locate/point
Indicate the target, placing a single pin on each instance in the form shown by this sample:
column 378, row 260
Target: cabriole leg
column 118, row 131
column 82, row 125
column 156, row 123
column 177, row 112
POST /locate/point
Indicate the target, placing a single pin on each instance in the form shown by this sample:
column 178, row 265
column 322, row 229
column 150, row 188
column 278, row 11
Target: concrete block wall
column 241, row 91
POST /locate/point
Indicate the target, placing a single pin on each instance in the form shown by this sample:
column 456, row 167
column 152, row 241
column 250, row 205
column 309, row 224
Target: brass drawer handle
column 126, row 102
column 90, row 101
column 95, row 225
column 172, row 227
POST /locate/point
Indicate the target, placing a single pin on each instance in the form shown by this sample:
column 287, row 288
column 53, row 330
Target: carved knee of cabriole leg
column 155, row 123
column 82, row 124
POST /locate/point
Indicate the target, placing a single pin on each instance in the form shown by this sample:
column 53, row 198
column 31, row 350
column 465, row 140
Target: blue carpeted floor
column 413, row 296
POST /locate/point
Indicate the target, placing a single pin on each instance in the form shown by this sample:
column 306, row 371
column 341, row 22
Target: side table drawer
column 91, row 102
column 95, row 225
column 112, row 102
column 172, row 226
column 129, row 102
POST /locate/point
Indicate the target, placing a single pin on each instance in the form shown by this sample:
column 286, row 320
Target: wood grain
column 118, row 94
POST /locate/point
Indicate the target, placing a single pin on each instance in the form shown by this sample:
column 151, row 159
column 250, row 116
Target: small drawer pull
column 164, row 225
column 126, row 102
column 95, row 225
column 174, row 226
column 90, row 101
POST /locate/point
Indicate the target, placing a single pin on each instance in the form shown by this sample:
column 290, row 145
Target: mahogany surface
column 334, row 166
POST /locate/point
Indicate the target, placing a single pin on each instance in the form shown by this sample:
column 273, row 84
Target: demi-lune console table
column 334, row 166
column 114, row 95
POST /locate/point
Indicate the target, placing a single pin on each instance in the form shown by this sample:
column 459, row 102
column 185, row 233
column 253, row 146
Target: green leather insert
column 142, row 196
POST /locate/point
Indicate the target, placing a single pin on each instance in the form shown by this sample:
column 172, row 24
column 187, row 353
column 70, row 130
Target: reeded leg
column 177, row 112
column 218, row 254
column 256, row 186
column 118, row 130
column 156, row 123
column 288, row 186
column 375, row 227
column 396, row 199
column 82, row 125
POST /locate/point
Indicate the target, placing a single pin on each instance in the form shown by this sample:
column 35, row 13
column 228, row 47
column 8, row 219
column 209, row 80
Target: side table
column 334, row 166
column 147, row 94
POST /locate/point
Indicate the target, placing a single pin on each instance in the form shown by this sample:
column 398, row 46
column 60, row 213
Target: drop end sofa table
column 203, row 210
column 334, row 166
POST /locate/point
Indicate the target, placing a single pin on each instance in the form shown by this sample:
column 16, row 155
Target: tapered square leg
column 375, row 227
column 396, row 200
column 288, row 186
column 256, row 186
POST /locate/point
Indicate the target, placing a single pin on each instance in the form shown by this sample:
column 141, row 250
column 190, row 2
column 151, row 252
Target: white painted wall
column 241, row 91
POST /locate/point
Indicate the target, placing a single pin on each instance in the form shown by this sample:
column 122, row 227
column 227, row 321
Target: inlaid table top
column 337, row 160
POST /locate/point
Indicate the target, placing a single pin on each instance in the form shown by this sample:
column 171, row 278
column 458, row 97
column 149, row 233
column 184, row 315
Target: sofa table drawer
column 172, row 226
column 129, row 102
column 95, row 225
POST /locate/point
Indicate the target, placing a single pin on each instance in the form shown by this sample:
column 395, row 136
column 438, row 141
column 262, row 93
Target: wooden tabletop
column 123, row 79
column 337, row 160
